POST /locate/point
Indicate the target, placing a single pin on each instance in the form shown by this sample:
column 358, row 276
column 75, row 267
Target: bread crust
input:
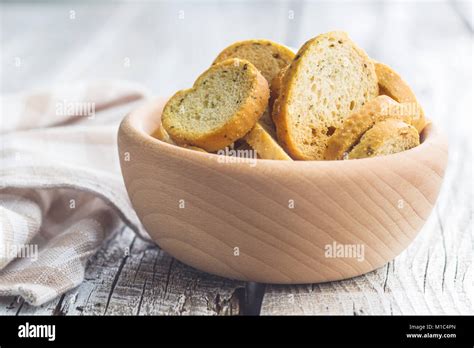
column 353, row 127
column 280, row 55
column 265, row 145
column 194, row 148
column 281, row 111
column 285, row 54
column 275, row 88
column 392, row 85
column 161, row 134
column 250, row 110
column 389, row 130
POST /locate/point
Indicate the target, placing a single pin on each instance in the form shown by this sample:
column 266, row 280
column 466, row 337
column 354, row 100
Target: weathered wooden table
column 164, row 46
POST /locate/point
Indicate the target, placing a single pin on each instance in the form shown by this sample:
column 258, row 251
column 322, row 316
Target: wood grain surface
column 428, row 42
column 271, row 221
column 131, row 277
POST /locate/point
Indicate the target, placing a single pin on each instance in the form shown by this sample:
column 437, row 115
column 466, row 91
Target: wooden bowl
column 278, row 221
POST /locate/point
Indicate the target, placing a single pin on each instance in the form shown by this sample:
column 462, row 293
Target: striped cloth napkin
column 61, row 191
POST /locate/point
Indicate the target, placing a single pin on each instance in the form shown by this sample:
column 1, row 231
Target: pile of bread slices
column 330, row 101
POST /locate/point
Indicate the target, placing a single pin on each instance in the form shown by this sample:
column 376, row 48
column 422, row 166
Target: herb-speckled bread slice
column 391, row 84
column 266, row 120
column 161, row 134
column 354, row 126
column 223, row 105
column 265, row 145
column 329, row 79
column 268, row 57
column 385, row 138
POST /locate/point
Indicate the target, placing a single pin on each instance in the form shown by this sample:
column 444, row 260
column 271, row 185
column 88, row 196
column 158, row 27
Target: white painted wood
column 427, row 42
column 131, row 277
column 430, row 47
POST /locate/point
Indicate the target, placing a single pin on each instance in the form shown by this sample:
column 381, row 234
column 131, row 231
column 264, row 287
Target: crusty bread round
column 385, row 138
column 266, row 146
column 266, row 120
column 275, row 87
column 268, row 57
column 329, row 79
column 161, row 134
column 391, row 84
column 354, row 126
column 241, row 144
column 223, row 105
column 194, row 148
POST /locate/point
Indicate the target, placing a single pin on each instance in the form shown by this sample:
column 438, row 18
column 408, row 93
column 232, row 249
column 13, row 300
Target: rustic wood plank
column 164, row 45
column 129, row 276
column 152, row 282
column 10, row 305
column 434, row 275
column 127, row 41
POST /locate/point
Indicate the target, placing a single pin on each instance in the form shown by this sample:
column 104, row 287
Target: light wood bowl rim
column 136, row 131
column 150, row 112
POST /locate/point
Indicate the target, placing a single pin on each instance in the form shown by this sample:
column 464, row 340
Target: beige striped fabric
column 61, row 192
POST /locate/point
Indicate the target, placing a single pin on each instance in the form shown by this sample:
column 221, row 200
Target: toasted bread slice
column 353, row 127
column 195, row 148
column 242, row 147
column 161, row 134
column 385, row 138
column 268, row 57
column 267, row 122
column 275, row 87
column 329, row 79
column 391, row 84
column 223, row 105
column 265, row 145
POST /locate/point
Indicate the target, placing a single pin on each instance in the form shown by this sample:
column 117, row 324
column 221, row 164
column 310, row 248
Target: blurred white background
column 165, row 45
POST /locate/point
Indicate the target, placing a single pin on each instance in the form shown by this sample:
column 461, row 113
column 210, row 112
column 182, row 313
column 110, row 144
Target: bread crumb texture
column 385, row 138
column 392, row 85
column 330, row 101
column 268, row 57
column 265, row 145
column 329, row 79
column 225, row 102
column 354, row 126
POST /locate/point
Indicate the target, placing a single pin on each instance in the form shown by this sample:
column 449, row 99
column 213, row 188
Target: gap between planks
column 144, row 281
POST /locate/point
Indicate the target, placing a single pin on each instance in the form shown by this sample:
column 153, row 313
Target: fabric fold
column 61, row 190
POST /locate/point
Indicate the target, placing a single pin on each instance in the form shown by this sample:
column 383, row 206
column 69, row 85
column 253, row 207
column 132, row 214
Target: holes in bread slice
column 330, row 131
column 331, row 82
